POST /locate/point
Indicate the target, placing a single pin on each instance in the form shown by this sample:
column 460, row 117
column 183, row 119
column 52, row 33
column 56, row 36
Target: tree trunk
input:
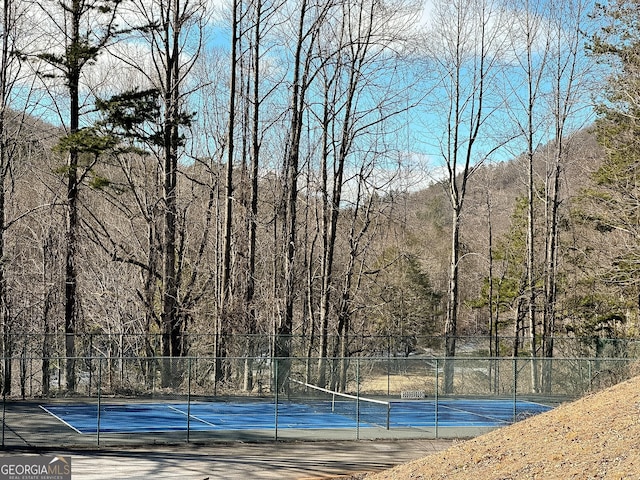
column 292, row 158
column 551, row 265
column 47, row 256
column 4, row 168
column 253, row 216
column 224, row 304
column 531, row 277
column 70, row 282
column 172, row 331
column 452, row 305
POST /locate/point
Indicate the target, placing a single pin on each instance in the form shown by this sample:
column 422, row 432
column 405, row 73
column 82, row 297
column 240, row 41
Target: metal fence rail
column 91, row 344
column 265, row 392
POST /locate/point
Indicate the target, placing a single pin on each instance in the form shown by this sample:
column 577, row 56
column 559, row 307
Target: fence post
column 90, row 353
column 436, row 398
column 358, row 398
column 515, row 386
column 392, row 363
column 188, row 399
column 99, row 398
column 4, row 405
column 274, row 381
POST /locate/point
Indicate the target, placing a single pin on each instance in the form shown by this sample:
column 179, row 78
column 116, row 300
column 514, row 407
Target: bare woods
column 302, row 178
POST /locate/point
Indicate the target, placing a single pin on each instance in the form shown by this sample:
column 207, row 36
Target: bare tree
column 253, row 85
column 467, row 52
column 359, row 83
column 224, row 313
column 545, row 85
column 10, row 130
column 530, row 43
column 259, row 17
column 174, row 39
column 569, row 73
column 310, row 16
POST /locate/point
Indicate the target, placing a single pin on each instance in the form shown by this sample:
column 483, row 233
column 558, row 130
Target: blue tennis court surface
column 210, row 416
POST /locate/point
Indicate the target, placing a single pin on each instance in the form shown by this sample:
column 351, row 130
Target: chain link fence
column 264, row 398
column 113, row 345
column 129, row 344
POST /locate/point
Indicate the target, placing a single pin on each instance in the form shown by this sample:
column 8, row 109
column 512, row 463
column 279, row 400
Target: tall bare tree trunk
column 254, row 172
column 469, row 32
column 532, row 61
column 7, row 23
column 172, row 328
column 224, row 310
column 284, row 327
column 494, row 347
column 570, row 74
column 452, row 304
column 551, row 265
column 70, row 278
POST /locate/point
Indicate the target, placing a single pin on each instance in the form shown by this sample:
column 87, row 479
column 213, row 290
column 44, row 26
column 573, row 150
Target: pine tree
column 614, row 207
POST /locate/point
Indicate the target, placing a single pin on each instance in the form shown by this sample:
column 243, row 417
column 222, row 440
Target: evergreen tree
column 614, row 207
column 85, row 28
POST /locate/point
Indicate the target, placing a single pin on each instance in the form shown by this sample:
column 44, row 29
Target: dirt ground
column 595, row 437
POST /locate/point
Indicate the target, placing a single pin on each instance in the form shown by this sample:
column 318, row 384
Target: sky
column 420, row 147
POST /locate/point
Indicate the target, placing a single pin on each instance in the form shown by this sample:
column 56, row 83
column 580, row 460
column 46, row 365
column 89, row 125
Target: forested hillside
column 494, row 229
column 314, row 179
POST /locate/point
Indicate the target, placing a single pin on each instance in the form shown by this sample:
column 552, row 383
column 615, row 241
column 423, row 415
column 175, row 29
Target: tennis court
column 348, row 413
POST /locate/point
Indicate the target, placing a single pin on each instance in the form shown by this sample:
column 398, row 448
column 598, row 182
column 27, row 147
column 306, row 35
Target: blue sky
column 420, row 141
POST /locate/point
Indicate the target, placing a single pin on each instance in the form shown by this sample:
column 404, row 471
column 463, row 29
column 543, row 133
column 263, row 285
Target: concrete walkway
column 241, row 461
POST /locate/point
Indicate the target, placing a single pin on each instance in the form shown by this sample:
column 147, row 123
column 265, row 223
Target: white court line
column 56, row 416
column 472, row 413
column 192, row 416
column 536, row 403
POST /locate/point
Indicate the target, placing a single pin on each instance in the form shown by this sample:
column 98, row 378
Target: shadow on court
column 29, row 430
column 74, row 423
column 239, row 461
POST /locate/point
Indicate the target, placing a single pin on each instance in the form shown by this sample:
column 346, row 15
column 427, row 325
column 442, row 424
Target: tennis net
column 367, row 410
